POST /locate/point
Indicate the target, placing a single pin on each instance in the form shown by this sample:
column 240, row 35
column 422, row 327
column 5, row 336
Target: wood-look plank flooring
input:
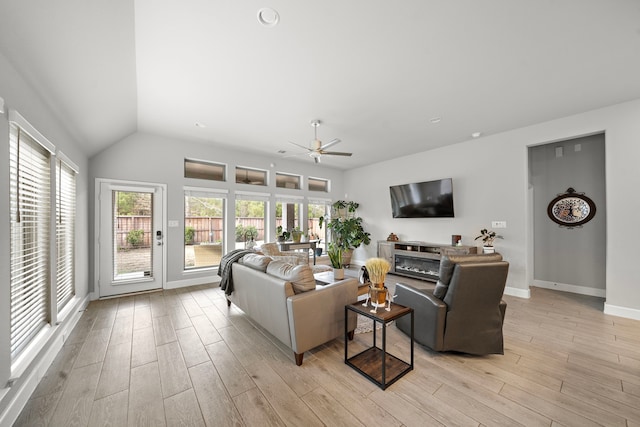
column 183, row 358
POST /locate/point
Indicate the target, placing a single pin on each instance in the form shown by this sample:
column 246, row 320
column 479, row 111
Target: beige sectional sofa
column 285, row 300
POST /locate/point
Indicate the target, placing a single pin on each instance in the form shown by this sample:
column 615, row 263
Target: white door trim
column 96, row 227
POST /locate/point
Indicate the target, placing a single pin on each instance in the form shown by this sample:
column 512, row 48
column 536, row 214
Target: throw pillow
column 300, row 276
column 255, row 261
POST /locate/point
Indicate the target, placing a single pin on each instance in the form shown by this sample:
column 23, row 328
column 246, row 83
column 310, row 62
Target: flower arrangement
column 488, row 236
column 377, row 269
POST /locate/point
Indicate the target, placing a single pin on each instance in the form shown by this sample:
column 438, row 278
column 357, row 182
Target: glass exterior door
column 131, row 239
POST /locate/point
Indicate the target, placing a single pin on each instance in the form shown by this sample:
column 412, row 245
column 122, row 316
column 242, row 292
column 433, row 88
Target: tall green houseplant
column 347, row 231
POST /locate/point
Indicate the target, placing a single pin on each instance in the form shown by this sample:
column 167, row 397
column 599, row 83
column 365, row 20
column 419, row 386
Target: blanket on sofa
column 225, row 271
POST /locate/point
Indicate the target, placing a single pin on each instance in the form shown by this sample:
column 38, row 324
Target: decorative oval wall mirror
column 571, row 209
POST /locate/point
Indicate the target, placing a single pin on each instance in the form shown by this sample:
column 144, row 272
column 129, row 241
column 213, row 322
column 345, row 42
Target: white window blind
column 246, row 195
column 30, row 204
column 65, row 232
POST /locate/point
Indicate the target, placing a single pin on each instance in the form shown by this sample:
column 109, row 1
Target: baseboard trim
column 517, row 292
column 582, row 290
column 38, row 369
column 615, row 310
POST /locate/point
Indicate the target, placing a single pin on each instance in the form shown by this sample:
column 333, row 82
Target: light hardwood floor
column 182, row 357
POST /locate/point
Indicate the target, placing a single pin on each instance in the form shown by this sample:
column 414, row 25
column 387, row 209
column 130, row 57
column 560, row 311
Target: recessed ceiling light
column 268, row 17
column 476, row 134
column 200, row 125
column 435, row 120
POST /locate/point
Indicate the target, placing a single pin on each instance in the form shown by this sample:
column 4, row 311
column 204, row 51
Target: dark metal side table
column 379, row 366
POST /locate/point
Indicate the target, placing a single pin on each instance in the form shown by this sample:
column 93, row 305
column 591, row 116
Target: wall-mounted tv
column 430, row 199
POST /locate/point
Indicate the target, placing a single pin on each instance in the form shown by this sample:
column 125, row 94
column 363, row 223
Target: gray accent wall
column 569, row 256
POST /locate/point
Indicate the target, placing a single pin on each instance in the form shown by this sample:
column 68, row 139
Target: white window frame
column 212, row 193
column 66, row 200
column 23, row 354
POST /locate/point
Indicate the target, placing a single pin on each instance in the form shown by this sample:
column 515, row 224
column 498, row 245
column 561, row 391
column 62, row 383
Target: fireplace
column 422, row 268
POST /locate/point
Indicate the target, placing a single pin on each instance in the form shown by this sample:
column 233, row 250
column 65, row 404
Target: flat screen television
column 430, row 199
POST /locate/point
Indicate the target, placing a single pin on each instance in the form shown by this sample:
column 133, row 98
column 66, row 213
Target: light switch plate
column 174, row 223
column 498, row 224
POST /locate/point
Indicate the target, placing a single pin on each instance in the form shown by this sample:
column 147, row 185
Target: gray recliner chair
column 465, row 311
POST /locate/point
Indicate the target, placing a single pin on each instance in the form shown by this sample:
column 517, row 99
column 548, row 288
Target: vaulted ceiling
column 387, row 78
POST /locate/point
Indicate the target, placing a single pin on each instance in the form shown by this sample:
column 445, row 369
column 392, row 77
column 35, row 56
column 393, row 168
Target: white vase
column 338, row 273
column 488, row 249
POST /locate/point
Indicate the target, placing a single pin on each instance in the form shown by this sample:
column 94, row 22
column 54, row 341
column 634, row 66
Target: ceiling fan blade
column 330, row 143
column 336, row 153
column 301, row 146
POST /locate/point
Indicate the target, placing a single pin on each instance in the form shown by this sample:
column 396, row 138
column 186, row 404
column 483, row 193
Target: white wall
column 490, row 178
column 151, row 158
column 18, row 95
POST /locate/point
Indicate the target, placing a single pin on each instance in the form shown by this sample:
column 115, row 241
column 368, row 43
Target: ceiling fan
column 319, row 149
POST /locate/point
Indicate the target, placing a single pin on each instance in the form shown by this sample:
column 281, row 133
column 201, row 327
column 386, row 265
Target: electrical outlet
column 498, row 224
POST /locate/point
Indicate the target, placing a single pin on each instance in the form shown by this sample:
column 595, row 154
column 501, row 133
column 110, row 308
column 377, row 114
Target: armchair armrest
column 316, row 317
column 430, row 315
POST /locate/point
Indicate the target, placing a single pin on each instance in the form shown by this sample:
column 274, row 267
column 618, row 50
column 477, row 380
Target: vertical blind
column 65, row 232
column 30, row 236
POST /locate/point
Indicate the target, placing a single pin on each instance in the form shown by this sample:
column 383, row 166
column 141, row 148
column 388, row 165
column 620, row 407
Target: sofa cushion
column 300, row 276
column 289, row 259
column 448, row 263
column 256, row 261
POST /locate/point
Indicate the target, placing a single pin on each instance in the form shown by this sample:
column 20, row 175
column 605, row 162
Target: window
column 65, row 229
column 288, row 211
column 318, row 208
column 251, row 213
column 203, row 227
column 318, row 184
column 30, row 204
column 251, row 176
column 284, row 180
column 201, row 169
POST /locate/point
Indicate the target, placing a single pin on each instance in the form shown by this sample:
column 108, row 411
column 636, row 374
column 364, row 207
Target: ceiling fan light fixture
column 319, row 149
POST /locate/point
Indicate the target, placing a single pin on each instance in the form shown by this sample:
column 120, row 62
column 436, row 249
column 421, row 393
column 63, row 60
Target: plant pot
column 378, row 293
column 318, row 251
column 338, row 273
column 296, row 236
column 488, row 249
column 346, row 257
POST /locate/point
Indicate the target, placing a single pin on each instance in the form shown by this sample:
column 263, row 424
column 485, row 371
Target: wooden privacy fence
column 206, row 229
column 126, row 224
